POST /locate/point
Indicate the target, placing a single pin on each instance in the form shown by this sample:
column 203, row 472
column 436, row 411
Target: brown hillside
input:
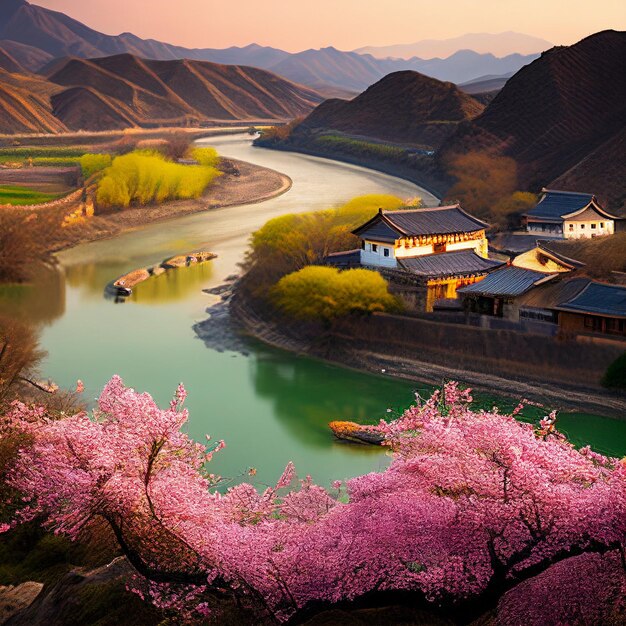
column 122, row 90
column 28, row 57
column 8, row 63
column 602, row 170
column 404, row 107
column 23, row 110
column 84, row 107
column 554, row 114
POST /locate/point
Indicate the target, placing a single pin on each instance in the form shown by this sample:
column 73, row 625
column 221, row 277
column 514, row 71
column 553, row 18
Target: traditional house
column 542, row 259
column 425, row 253
column 597, row 309
column 540, row 305
column 569, row 215
column 497, row 294
column 501, row 293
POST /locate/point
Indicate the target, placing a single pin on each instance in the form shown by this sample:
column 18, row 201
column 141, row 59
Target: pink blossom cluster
column 473, row 504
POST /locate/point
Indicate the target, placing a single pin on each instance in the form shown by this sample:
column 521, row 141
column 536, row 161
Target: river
column 269, row 406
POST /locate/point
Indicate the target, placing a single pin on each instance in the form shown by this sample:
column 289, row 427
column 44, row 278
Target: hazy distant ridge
column 499, row 44
column 32, row 36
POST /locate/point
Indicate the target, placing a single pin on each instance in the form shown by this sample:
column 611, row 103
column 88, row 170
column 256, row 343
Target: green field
column 43, row 156
column 19, row 196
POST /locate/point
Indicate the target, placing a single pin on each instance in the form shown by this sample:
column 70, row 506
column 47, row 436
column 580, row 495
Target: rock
column 219, row 290
column 87, row 597
column 15, row 598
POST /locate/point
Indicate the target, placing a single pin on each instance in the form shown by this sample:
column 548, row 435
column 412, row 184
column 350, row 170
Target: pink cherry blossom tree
column 473, row 506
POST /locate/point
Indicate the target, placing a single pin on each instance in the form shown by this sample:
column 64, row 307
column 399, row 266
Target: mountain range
column 403, row 107
column 562, row 118
column 498, row 44
column 32, row 36
column 123, row 91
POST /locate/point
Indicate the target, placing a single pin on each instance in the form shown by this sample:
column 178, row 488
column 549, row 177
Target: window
column 588, row 322
column 362, row 244
column 601, row 224
column 582, row 226
column 571, row 226
column 594, row 226
column 374, row 248
column 385, row 251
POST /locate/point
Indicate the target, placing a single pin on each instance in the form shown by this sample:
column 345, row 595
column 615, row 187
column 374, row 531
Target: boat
column 356, row 433
column 184, row 260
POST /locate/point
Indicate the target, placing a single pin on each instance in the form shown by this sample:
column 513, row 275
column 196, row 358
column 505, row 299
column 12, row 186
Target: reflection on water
column 305, row 397
column 270, row 407
column 39, row 302
column 174, row 284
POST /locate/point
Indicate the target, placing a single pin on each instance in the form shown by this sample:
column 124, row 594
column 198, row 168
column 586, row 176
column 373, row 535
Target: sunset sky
column 346, row 24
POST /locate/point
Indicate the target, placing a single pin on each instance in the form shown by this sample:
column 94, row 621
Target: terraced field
column 20, row 196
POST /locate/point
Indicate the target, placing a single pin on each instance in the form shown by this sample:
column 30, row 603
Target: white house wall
column 573, row 229
column 479, row 245
column 378, row 258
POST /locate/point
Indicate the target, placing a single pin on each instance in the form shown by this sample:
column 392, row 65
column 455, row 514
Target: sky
column 296, row 25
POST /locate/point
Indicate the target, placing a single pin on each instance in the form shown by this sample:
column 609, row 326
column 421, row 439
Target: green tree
column 288, row 243
column 507, row 211
column 146, row 176
column 324, row 293
column 92, row 163
column 615, row 375
column 206, row 156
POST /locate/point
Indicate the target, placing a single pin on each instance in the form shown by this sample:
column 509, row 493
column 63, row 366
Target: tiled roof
column 346, row 257
column 550, row 295
column 567, row 260
column 598, row 299
column 513, row 243
column 509, row 281
column 461, row 263
column 437, row 221
column 391, row 225
column 379, row 230
column 555, row 205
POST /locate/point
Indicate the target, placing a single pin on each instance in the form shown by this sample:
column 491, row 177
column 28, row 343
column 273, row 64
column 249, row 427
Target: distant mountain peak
column 328, row 69
column 498, row 44
column 403, row 107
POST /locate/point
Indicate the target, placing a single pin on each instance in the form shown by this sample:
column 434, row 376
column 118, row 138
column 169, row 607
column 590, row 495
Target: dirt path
column 254, row 184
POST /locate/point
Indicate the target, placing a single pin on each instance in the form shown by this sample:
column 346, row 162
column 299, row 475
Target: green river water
column 269, row 406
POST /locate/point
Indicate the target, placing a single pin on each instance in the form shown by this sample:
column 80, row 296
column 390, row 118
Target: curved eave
column 596, row 207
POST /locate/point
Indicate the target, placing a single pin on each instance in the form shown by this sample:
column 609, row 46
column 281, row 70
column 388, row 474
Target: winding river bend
column 270, row 407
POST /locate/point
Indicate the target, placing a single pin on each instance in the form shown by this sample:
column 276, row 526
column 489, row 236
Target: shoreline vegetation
column 258, row 322
column 398, row 161
column 253, row 184
column 308, row 314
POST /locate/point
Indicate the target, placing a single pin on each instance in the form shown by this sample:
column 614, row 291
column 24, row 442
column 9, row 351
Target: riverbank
column 422, row 172
column 242, row 183
column 341, row 347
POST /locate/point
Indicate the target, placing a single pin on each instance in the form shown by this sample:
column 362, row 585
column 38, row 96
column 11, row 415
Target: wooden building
column 501, row 294
column 569, row 215
column 498, row 294
column 426, row 254
column 598, row 309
